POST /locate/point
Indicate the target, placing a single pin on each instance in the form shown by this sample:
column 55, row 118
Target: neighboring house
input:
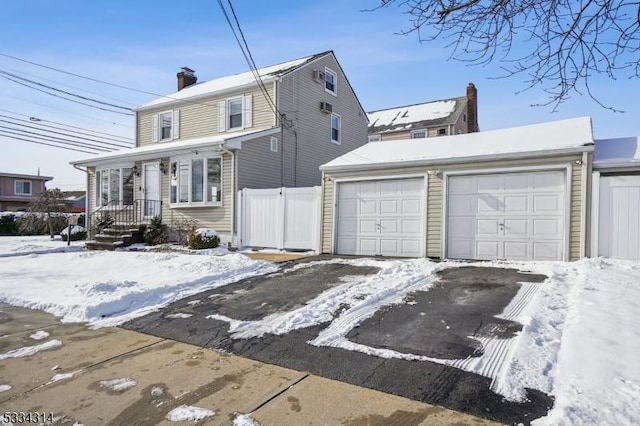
column 437, row 118
column 18, row 190
column 76, row 201
column 615, row 218
column 518, row 194
column 197, row 147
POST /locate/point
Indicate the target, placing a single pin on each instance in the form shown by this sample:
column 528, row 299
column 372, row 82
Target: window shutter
column 175, row 131
column 248, row 111
column 154, row 127
column 222, row 116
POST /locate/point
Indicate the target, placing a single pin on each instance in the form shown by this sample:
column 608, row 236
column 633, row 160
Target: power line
column 110, row 144
column 62, row 97
column 48, row 144
column 36, row 135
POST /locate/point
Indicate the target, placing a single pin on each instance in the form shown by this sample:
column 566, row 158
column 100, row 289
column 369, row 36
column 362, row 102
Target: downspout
column 234, row 186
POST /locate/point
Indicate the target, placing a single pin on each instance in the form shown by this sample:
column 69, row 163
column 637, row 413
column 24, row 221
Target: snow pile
column 31, row 350
column 4, row 388
column 75, row 230
column 244, row 420
column 109, row 288
column 205, row 233
column 186, row 413
column 63, row 376
column 179, row 315
column 118, row 385
column 39, row 335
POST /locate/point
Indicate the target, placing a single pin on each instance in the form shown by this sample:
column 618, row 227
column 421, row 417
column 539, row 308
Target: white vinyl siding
column 619, row 217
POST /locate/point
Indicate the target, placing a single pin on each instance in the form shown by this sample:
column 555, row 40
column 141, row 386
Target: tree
column 48, row 213
column 557, row 44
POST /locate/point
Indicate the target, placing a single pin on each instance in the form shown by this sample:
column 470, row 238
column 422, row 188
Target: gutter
column 86, row 193
column 621, row 166
column 457, row 160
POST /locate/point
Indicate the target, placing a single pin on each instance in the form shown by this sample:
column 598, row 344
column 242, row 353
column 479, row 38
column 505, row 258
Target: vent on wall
column 318, row 75
column 326, row 107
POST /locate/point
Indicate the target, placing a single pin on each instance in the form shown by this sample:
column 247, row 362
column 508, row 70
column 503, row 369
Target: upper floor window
column 330, row 81
column 442, row 131
column 114, row 186
column 374, row 138
column 418, row 134
column 335, row 128
column 166, row 126
column 235, row 113
column 22, row 187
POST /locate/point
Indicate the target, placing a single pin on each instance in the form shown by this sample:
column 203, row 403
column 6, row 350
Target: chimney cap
column 187, row 70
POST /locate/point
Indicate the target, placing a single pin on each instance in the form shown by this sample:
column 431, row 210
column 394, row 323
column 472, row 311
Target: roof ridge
column 418, row 104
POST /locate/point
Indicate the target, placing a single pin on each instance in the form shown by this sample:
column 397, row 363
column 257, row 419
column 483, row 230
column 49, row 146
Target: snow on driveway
column 579, row 342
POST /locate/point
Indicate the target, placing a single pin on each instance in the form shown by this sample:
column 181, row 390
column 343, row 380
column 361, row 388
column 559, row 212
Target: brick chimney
column 472, row 109
column 186, row 77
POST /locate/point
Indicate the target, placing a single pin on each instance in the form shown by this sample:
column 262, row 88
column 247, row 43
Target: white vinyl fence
column 280, row 218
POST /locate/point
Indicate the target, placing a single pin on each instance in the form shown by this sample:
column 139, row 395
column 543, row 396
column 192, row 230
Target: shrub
column 77, row 233
column 156, row 232
column 203, row 238
column 182, row 228
column 8, row 225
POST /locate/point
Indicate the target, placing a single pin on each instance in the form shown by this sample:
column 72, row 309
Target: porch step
column 103, row 245
column 116, row 237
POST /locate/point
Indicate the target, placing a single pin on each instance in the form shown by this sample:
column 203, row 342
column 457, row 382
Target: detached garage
column 517, row 194
column 616, row 199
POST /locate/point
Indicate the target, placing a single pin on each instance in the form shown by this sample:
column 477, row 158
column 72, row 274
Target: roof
column 618, row 152
column 230, row 82
column 22, row 176
column 149, row 152
column 417, row 116
column 551, row 138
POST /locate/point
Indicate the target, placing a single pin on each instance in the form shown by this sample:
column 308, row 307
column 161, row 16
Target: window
column 196, row 181
column 374, row 138
column 418, row 134
column 335, row 128
column 22, row 187
column 442, row 131
column 235, row 113
column 330, row 81
column 274, row 144
column 114, row 186
column 166, row 126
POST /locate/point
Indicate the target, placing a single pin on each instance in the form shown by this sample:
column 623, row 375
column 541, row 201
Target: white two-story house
column 197, row 147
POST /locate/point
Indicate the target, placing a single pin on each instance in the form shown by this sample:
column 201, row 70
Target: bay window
column 196, row 181
column 114, row 186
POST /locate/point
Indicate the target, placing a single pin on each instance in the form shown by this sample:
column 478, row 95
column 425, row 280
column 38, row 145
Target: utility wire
column 62, row 97
column 46, row 86
column 48, row 144
column 109, row 144
column 36, row 135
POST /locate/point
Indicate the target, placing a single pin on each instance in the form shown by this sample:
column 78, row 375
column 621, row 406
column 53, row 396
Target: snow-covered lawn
column 579, row 343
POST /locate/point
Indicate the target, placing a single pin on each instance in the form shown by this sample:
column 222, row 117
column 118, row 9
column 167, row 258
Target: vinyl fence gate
column 280, row 218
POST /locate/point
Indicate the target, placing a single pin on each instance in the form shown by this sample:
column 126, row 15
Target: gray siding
column 435, row 198
column 199, row 118
column 259, row 166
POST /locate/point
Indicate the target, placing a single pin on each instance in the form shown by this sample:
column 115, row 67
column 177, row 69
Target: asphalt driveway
column 440, row 322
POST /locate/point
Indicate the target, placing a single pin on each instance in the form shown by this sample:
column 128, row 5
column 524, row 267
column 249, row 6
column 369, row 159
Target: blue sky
column 143, row 44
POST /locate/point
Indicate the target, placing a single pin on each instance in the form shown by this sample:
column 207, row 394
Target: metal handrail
column 113, row 213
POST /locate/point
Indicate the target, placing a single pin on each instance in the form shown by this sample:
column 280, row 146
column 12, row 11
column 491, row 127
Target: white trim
column 160, row 114
column 329, row 71
column 595, row 214
column 336, row 184
column 339, row 141
column 205, row 156
column 15, row 182
column 516, row 169
column 583, row 204
column 276, row 100
column 144, row 186
column 227, row 117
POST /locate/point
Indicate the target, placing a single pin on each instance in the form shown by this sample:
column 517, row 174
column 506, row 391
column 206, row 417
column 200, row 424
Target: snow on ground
column 31, row 350
column 20, row 246
column 109, row 288
column 579, row 343
column 4, row 388
column 186, row 413
column 244, row 420
column 179, row 315
column 118, row 385
column 39, row 335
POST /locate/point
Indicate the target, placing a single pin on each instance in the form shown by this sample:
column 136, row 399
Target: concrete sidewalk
column 66, row 380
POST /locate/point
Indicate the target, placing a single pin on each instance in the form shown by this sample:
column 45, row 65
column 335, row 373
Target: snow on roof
column 228, row 82
column 557, row 136
column 403, row 117
column 618, row 151
column 167, row 148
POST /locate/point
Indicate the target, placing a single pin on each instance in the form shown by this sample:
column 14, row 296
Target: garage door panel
column 388, row 216
column 509, row 220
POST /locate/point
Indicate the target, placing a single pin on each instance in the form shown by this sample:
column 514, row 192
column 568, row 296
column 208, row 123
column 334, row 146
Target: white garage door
column 517, row 216
column 619, row 222
column 384, row 217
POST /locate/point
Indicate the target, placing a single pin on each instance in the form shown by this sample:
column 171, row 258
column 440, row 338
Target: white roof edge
column 455, row 160
column 195, row 98
column 148, row 152
column 621, row 165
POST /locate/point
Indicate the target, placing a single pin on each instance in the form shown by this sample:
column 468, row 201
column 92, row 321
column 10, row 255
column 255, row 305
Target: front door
column 151, row 206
